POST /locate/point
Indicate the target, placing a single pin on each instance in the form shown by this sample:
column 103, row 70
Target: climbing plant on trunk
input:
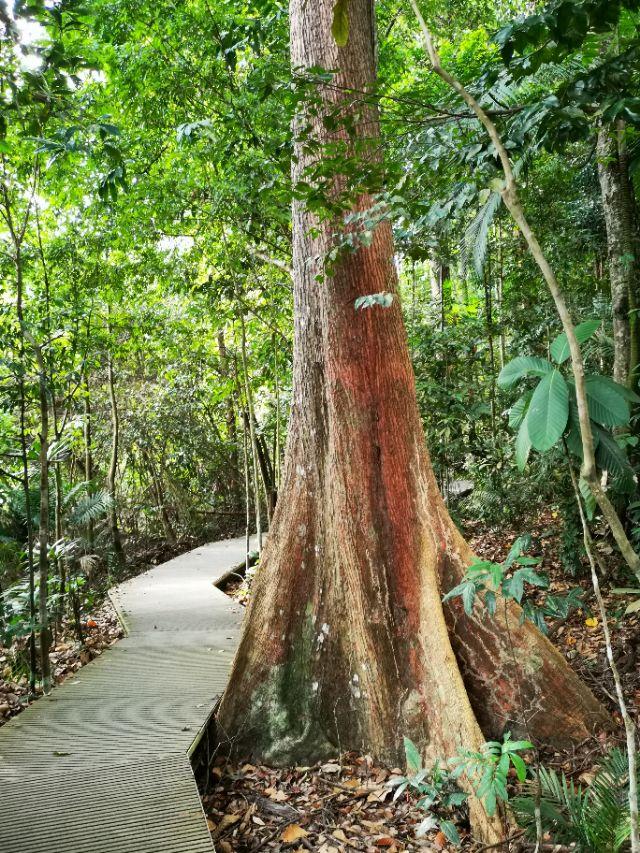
column 346, row 644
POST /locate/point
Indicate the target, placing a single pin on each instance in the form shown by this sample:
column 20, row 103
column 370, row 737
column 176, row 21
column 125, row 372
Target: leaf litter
column 344, row 805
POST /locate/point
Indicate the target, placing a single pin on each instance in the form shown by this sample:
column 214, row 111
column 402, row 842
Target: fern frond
column 594, row 819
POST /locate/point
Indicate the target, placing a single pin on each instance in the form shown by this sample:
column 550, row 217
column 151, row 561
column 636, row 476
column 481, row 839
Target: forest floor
column 347, row 804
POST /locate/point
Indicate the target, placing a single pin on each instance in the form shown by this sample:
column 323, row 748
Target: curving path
column 102, row 765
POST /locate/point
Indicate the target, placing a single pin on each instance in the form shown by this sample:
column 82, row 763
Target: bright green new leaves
column 434, row 787
column 488, row 768
column 383, row 299
column 522, row 366
column 560, row 347
column 340, row 25
column 548, row 411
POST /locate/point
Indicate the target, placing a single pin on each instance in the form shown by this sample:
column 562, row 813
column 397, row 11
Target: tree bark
column 622, row 265
column 116, row 539
column 231, row 423
column 250, row 416
column 345, row 642
column 43, row 528
column 88, row 454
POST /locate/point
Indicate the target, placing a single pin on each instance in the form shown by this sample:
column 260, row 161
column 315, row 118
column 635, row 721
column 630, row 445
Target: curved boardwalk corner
column 103, row 763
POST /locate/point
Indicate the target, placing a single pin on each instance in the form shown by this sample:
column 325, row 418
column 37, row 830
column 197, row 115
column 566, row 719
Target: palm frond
column 90, row 508
column 475, row 239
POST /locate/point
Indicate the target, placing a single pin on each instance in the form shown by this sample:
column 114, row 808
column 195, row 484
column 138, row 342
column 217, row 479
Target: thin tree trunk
column 620, row 247
column 277, row 448
column 116, row 539
column 443, row 275
column 247, row 495
column 43, row 531
column 266, row 473
column 252, row 431
column 500, row 297
column 88, row 453
column 33, row 664
column 488, row 305
column 511, row 198
column 159, row 495
column 231, row 420
column 57, row 473
column 345, row 643
column 633, row 225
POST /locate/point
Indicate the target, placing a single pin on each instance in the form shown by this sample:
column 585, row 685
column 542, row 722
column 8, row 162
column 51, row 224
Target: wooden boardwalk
column 102, row 765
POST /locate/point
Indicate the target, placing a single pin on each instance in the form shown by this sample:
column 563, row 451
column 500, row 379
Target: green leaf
column 518, row 411
column 608, row 405
column 468, row 597
column 548, row 411
column 384, row 299
column 560, row 347
column 610, row 457
column 524, row 365
column 523, row 446
column 519, row 766
column 519, row 546
column 574, row 440
column 340, row 25
column 588, row 498
column 450, row 831
column 414, row 759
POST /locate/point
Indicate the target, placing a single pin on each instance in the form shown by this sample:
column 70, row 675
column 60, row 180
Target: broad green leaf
column 519, row 766
column 414, row 759
column 468, row 598
column 524, row 365
column 519, row 546
column 560, row 346
column 519, row 410
column 340, row 25
column 608, row 404
column 588, row 498
column 450, row 831
column 548, row 411
column 523, row 446
column 610, row 457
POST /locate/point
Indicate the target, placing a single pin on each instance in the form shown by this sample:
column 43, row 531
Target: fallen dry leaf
column 292, row 833
column 227, row 821
column 440, row 840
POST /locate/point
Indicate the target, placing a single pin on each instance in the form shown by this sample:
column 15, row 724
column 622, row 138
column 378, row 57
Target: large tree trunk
column 622, row 244
column 345, row 642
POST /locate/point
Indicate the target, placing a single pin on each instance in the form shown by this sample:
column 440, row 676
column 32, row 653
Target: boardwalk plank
column 102, row 764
